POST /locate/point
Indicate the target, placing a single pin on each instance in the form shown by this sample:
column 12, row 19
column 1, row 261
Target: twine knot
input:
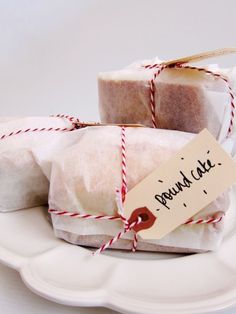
column 128, row 226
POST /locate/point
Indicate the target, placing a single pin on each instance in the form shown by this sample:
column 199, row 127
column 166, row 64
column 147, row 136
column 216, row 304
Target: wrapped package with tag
column 85, row 177
column 177, row 97
column 22, row 181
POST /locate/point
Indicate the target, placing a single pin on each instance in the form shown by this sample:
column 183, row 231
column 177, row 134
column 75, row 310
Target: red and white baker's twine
column 128, row 226
column 105, row 217
column 120, row 197
column 123, row 163
column 152, row 94
column 74, row 121
column 161, row 67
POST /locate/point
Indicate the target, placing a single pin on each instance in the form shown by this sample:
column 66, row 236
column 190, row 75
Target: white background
column 52, row 50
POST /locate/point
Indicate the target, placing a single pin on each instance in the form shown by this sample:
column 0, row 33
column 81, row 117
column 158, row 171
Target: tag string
column 161, row 67
column 123, row 164
column 120, row 198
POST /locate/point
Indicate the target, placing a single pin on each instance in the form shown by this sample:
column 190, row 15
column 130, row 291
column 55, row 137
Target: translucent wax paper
column 22, row 181
column 85, row 176
column 185, row 99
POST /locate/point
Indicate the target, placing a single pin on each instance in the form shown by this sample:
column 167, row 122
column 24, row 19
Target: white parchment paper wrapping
column 185, row 100
column 85, row 176
column 22, row 181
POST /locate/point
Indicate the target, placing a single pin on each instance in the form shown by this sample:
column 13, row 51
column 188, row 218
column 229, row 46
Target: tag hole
column 144, row 217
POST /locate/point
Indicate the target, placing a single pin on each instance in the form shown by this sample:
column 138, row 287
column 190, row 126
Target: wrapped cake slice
column 180, row 97
column 83, row 184
column 22, row 182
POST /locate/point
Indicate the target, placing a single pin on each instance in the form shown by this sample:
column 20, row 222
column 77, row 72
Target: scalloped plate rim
column 104, row 298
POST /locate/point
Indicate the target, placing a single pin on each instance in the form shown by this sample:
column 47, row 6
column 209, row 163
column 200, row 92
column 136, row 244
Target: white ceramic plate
column 131, row 283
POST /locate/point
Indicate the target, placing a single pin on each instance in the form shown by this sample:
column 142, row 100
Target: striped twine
column 123, row 164
column 74, row 121
column 135, row 242
column 84, row 216
column 118, row 236
column 199, row 221
column 152, row 95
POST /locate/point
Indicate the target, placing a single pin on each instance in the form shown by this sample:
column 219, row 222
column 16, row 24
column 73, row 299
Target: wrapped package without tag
column 85, row 177
column 23, row 184
column 185, row 99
